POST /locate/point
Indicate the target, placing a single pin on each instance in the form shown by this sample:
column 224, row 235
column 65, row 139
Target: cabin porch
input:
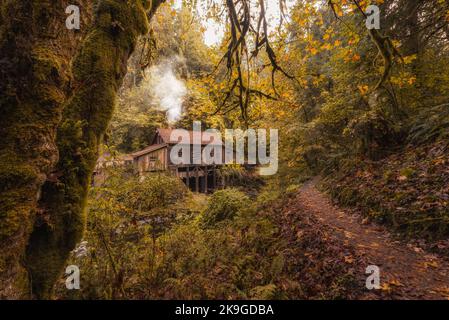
column 199, row 178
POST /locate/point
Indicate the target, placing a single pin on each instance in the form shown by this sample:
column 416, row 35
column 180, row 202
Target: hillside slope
column 407, row 191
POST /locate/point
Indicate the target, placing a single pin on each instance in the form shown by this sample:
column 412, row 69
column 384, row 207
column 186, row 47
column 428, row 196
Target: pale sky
column 214, row 31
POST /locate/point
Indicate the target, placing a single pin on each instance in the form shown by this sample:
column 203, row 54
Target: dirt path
column 406, row 272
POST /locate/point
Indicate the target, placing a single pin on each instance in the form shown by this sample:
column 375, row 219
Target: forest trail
column 406, row 271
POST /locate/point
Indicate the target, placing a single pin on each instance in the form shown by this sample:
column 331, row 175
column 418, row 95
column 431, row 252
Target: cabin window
column 153, row 158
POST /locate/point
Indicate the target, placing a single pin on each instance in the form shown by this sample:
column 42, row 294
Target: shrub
column 152, row 191
column 238, row 176
column 431, row 124
column 126, row 216
column 374, row 133
column 224, row 205
column 218, row 263
column 292, row 188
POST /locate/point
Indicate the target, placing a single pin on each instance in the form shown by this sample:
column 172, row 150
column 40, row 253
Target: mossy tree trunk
column 34, row 76
column 43, row 179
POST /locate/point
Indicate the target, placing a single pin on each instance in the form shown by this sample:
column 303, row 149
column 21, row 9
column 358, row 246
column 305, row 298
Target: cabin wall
column 198, row 177
column 197, row 154
column 153, row 161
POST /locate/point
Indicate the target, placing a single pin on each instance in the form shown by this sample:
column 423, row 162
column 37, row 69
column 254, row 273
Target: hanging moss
column 98, row 71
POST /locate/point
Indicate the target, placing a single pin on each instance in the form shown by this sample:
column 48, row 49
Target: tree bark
column 35, row 52
column 53, row 119
column 98, row 72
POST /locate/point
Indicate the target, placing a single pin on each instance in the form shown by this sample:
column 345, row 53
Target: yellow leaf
column 385, row 287
column 355, row 58
column 410, row 59
column 349, row 259
column 363, row 89
column 432, row 264
column 396, row 283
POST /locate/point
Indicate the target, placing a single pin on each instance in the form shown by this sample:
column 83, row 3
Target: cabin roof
column 149, row 149
column 165, row 134
column 206, row 137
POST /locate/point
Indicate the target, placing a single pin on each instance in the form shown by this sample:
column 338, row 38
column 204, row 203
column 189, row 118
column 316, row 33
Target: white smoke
column 167, row 90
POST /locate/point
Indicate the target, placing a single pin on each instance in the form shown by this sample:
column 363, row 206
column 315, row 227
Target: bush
column 151, row 192
column 224, row 205
column 431, row 124
column 218, row 263
column 126, row 216
column 240, row 177
column 374, row 133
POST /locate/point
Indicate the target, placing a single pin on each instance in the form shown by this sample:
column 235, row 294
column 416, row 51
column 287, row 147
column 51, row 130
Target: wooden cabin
column 198, row 177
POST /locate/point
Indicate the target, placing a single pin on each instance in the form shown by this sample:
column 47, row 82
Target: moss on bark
column 98, row 71
column 34, row 80
column 38, row 190
column 31, row 82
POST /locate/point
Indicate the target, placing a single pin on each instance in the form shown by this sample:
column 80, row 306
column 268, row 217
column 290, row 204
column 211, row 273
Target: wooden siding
column 152, row 161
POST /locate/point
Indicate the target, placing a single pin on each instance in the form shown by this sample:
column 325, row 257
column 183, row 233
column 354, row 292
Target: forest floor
column 406, row 270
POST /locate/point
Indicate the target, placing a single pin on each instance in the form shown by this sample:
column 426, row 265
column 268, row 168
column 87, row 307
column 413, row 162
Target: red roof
column 166, row 135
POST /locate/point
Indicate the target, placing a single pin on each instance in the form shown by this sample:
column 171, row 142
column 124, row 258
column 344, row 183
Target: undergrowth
column 228, row 246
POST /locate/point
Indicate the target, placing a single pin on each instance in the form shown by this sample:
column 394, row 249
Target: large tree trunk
column 35, row 52
column 98, row 70
column 39, row 193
